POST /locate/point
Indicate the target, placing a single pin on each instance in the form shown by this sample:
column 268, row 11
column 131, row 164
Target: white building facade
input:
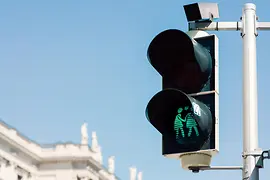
column 23, row 159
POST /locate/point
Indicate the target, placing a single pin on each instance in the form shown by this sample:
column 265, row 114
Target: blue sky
column 66, row 62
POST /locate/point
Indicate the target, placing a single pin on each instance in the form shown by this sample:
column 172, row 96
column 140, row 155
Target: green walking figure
column 191, row 124
column 178, row 123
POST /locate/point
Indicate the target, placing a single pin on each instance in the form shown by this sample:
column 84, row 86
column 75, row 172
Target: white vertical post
column 133, row 173
column 139, row 176
column 250, row 111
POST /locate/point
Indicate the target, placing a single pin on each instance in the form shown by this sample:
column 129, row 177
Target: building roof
column 59, row 151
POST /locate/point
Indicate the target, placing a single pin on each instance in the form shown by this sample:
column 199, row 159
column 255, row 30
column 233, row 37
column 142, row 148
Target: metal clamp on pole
column 259, row 156
column 256, row 153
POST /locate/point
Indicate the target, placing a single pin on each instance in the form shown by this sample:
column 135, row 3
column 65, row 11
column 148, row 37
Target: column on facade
column 8, row 171
column 2, row 164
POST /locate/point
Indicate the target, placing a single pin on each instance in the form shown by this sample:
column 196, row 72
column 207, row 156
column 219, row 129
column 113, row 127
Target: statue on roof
column 94, row 146
column 133, row 172
column 84, row 134
column 139, row 176
column 111, row 164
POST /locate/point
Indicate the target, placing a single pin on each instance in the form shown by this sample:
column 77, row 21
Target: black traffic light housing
column 185, row 112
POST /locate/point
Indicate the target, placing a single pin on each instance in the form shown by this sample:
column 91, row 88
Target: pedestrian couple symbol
column 189, row 122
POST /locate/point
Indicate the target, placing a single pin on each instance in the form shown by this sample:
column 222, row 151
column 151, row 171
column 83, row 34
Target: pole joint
column 259, row 156
column 256, row 153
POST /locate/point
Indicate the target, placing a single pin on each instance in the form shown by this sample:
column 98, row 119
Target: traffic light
column 185, row 112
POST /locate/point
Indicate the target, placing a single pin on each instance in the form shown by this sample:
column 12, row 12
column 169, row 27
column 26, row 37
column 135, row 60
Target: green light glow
column 187, row 123
column 191, row 123
column 178, row 123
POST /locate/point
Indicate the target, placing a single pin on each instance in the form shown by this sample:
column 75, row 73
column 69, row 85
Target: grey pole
column 249, row 27
column 250, row 106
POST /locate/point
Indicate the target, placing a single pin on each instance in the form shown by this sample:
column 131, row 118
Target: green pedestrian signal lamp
column 185, row 112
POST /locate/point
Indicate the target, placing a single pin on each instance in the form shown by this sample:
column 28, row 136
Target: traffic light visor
column 180, row 58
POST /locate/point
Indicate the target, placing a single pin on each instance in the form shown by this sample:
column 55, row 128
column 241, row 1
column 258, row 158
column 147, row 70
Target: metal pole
column 250, row 112
column 249, row 27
